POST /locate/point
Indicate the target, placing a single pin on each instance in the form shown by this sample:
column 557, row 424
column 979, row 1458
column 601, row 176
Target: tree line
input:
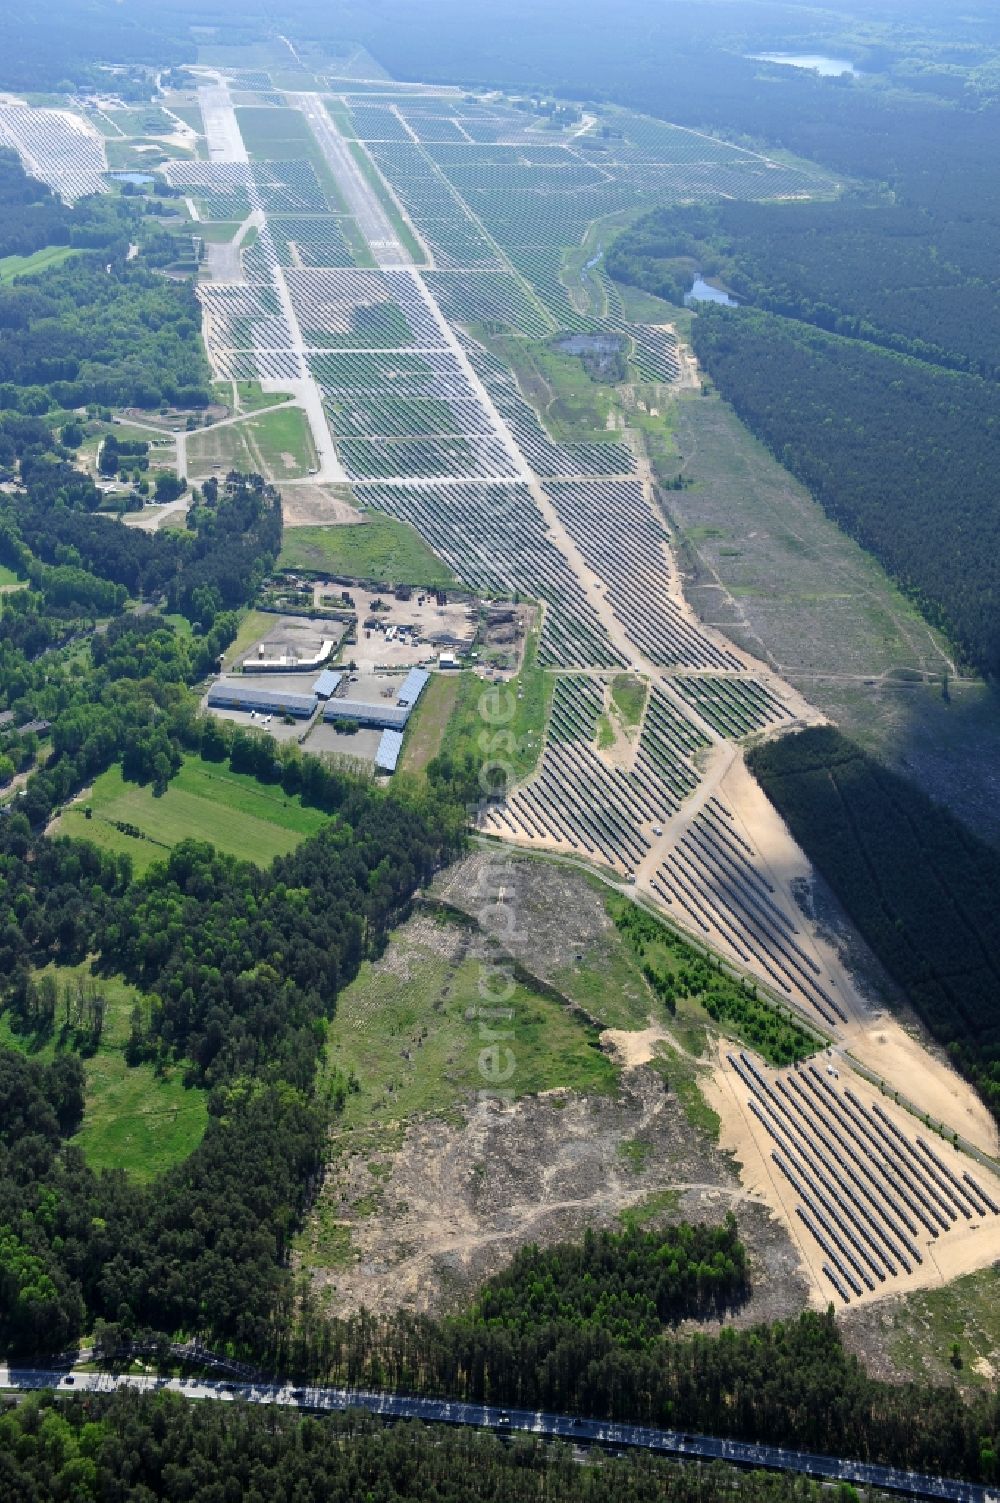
column 900, row 453
column 133, row 1448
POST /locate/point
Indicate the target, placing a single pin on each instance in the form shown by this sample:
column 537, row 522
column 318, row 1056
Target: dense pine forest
column 902, row 454
column 900, row 276
column 132, row 1449
column 919, row 885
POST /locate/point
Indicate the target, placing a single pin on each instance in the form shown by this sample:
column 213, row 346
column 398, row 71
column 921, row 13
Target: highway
column 614, row 1437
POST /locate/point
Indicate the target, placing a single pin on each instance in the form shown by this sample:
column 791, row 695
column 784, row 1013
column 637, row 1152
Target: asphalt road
column 362, row 200
column 501, row 1421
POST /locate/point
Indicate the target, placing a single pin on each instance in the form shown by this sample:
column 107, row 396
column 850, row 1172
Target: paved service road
column 533, row 1422
column 362, row 200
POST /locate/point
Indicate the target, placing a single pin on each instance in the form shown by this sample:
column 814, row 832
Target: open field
column 574, row 408
column 204, row 801
column 426, row 727
column 949, row 1335
column 135, row 1118
column 277, row 444
column 520, row 709
column 253, row 626
column 378, row 548
column 40, row 260
column 422, row 1194
column 408, row 1031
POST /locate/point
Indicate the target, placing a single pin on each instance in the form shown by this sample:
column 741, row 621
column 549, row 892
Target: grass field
column 249, row 394
column 191, row 115
column 254, row 625
column 134, row 1119
column 528, row 697
column 205, row 801
column 919, row 1332
column 643, row 308
column 415, row 1048
column 278, row 444
column 629, row 697
column 217, row 231
column 425, row 730
column 9, row 580
column 40, row 260
column 380, row 548
column 572, row 407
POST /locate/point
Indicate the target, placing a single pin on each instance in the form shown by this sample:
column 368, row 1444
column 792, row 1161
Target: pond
column 818, row 62
column 703, row 292
column 140, row 179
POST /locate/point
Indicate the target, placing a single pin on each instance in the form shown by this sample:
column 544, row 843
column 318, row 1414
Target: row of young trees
column 674, row 968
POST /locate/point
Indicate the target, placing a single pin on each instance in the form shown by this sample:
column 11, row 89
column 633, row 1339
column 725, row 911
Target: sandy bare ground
column 927, row 1080
column 311, row 505
column 633, row 1047
column 966, row 1247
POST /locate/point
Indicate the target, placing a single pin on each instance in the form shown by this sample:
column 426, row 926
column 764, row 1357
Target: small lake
column 140, row 179
column 817, row 62
column 703, row 292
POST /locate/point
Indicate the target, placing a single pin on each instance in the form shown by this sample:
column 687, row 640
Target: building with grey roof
column 327, row 683
column 382, row 716
column 388, row 752
column 230, row 694
column 412, row 687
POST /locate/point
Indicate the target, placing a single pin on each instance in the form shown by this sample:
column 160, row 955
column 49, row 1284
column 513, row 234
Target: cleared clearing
column 277, row 444
column 205, row 801
column 40, row 260
column 135, row 1117
column 379, row 549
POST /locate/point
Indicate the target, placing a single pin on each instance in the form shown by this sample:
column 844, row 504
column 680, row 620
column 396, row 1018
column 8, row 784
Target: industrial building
column 231, row 694
column 388, row 752
column 327, row 683
column 381, row 716
column 412, row 687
